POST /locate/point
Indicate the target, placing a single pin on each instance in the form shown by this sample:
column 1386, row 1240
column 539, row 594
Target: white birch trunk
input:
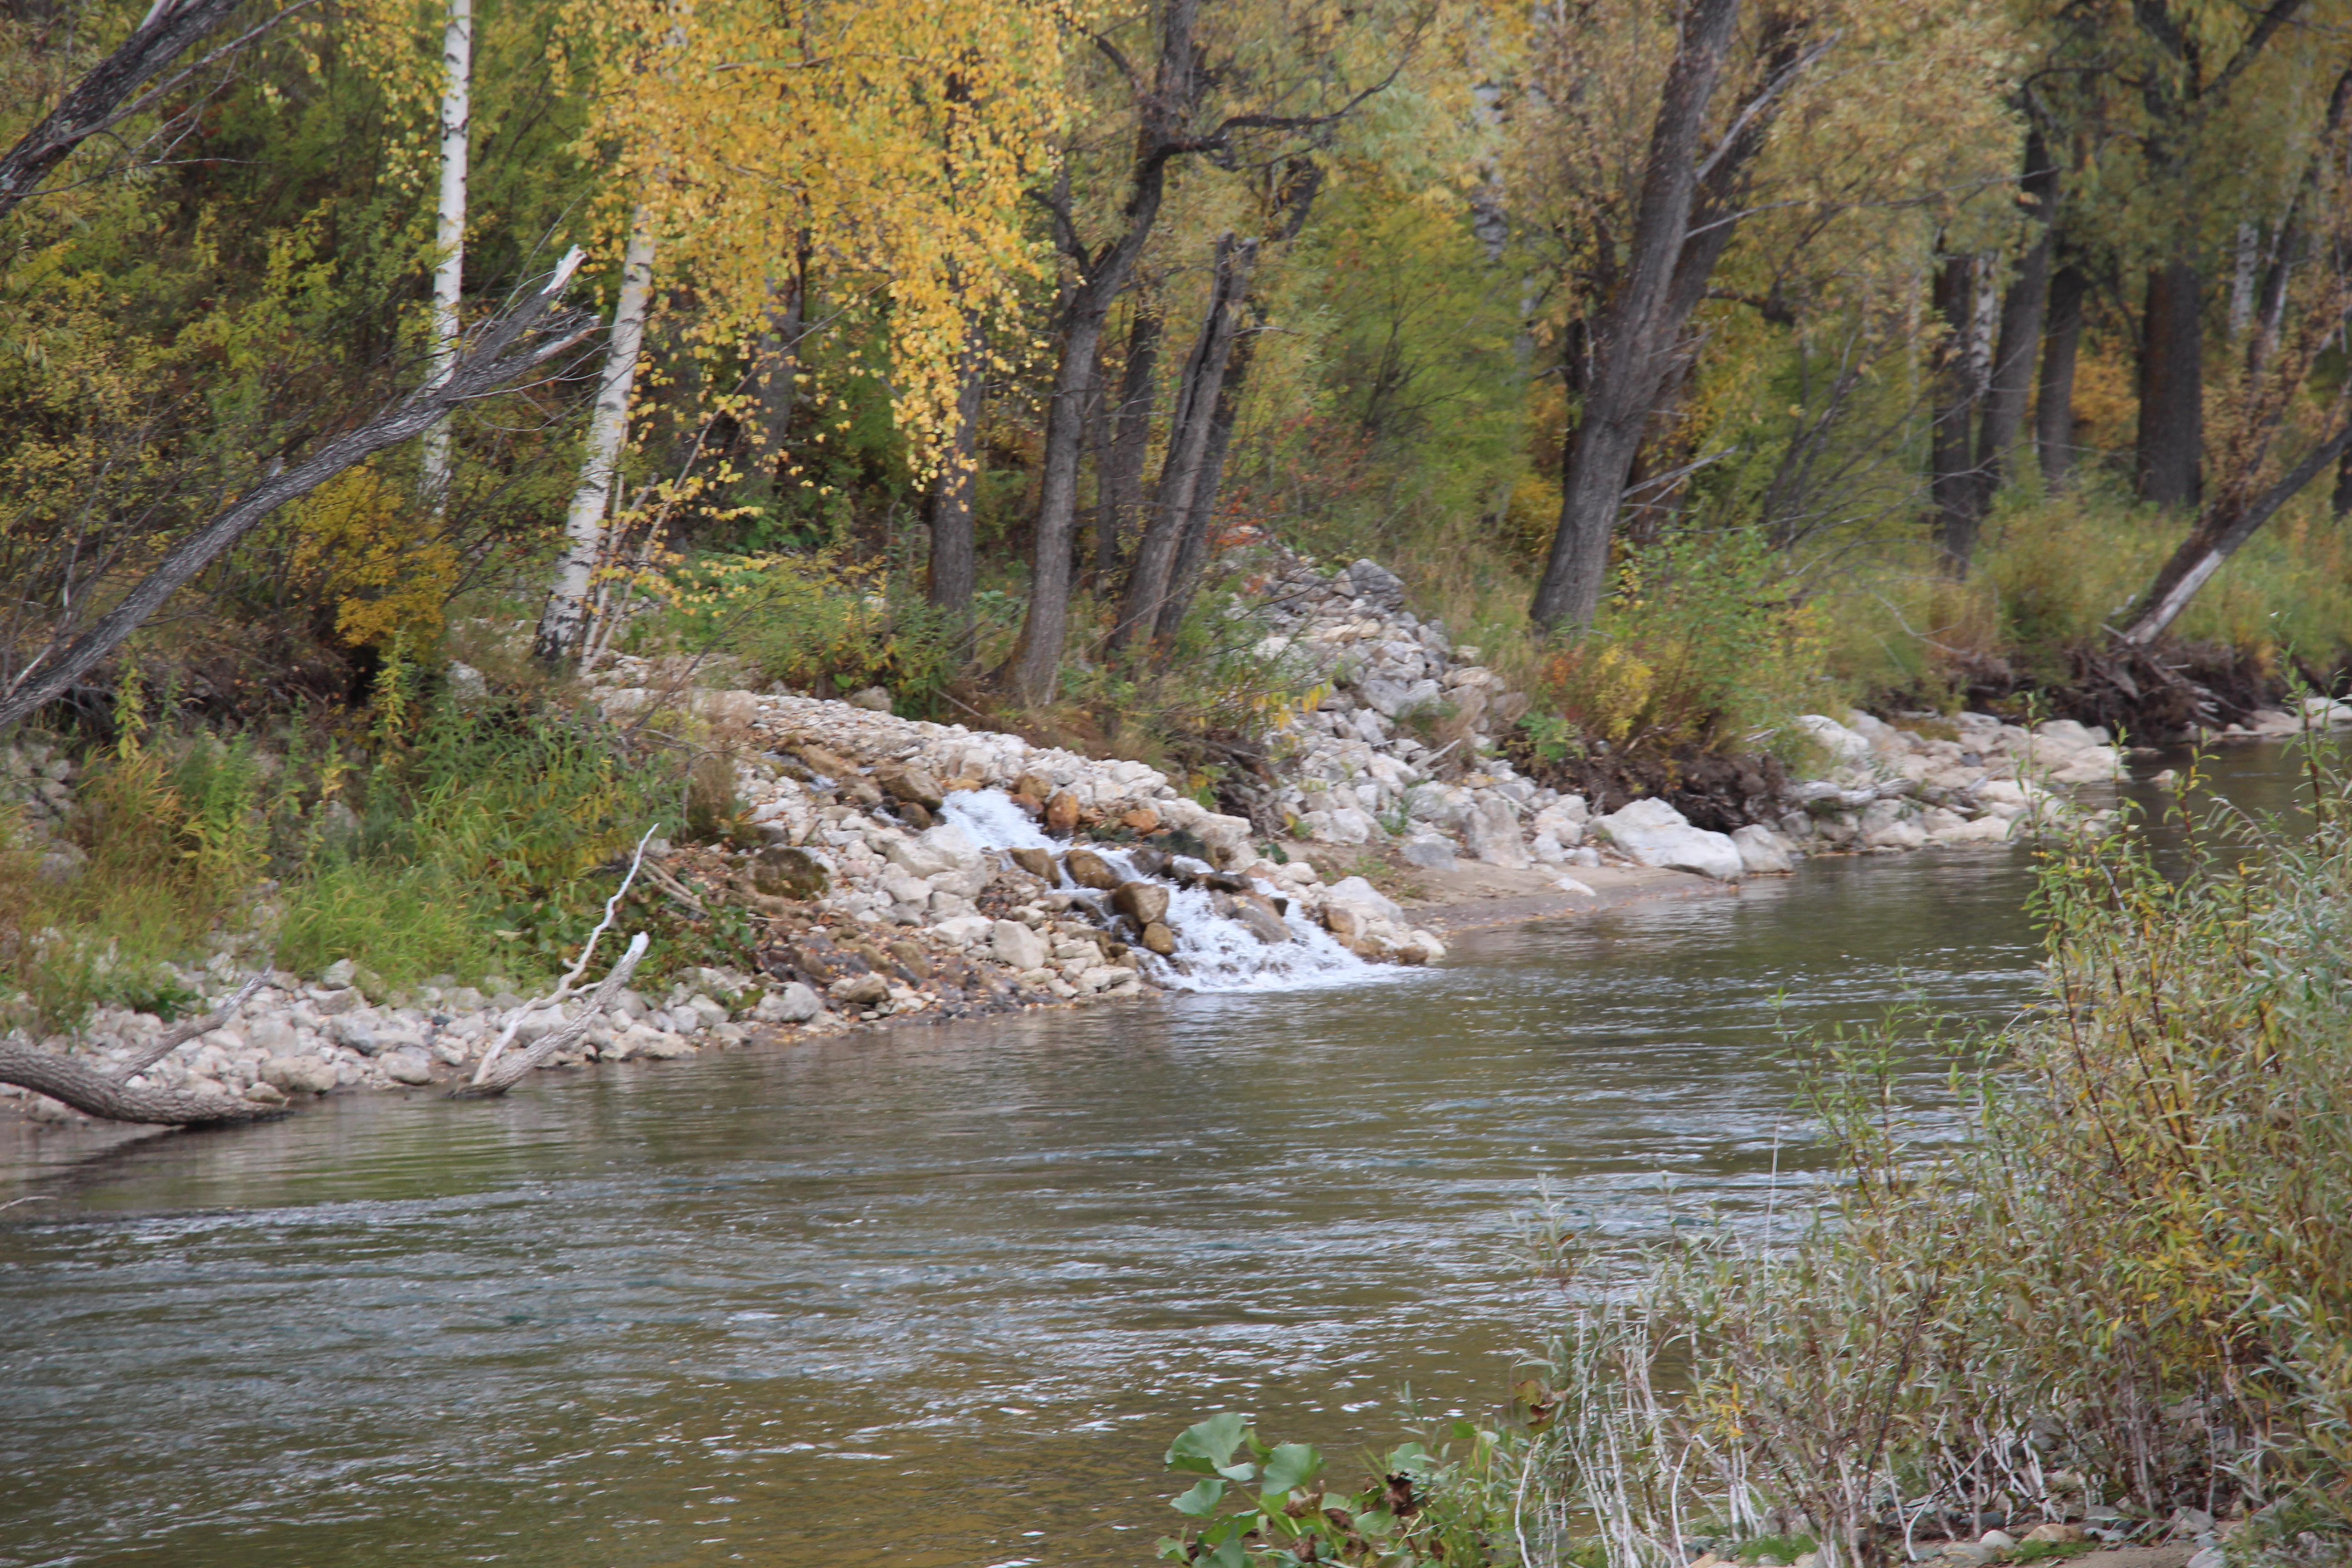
column 562, row 628
column 449, row 234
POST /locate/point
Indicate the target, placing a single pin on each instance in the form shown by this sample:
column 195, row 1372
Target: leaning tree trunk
column 2219, row 533
column 1201, row 528
column 494, row 360
column 954, row 572
column 1636, row 335
column 2053, row 397
column 449, row 234
column 1154, row 573
column 2172, row 385
column 563, row 627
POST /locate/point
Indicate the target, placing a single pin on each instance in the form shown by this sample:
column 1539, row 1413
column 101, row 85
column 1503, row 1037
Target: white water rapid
column 1214, row 952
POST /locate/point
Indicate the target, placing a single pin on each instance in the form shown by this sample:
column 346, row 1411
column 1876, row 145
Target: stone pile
column 35, row 787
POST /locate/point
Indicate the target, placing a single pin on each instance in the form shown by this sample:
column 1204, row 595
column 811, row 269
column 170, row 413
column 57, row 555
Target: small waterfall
column 1214, row 952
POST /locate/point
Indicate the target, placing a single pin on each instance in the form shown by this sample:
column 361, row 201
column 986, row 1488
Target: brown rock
column 1146, row 902
column 1142, row 819
column 1038, row 863
column 2056, row 1532
column 782, row 871
column 1344, row 920
column 861, row 989
column 861, row 790
column 1036, row 787
column 916, row 815
column 912, row 959
column 1159, row 938
column 1088, row 870
column 910, row 783
column 1262, row 922
column 831, row 764
column 1062, row 812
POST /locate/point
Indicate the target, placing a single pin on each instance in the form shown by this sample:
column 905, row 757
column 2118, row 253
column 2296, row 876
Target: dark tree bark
column 1102, row 273
column 97, row 101
column 780, row 360
column 1165, row 109
column 95, row 1093
column 495, row 359
column 2053, row 405
column 2172, row 385
column 1952, row 483
column 2023, row 305
column 1201, row 526
column 1681, row 225
column 1148, row 584
column 953, row 571
column 1120, row 474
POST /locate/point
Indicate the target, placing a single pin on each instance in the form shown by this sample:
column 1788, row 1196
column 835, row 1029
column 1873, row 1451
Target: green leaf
column 1232, row 1554
column 1207, row 1448
column 1291, row 1465
column 1202, row 1501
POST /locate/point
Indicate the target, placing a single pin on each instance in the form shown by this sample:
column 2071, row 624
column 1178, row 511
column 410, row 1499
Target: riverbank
column 896, row 868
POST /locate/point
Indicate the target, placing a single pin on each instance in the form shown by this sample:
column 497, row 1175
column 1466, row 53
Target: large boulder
column 1491, row 829
column 1763, row 852
column 1655, row 833
column 1356, row 891
column 1015, row 946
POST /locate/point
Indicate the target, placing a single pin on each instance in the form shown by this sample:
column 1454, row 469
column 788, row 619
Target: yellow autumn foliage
column 382, row 561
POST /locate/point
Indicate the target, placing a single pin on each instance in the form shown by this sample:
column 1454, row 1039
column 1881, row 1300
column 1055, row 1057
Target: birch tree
column 449, row 231
column 563, row 626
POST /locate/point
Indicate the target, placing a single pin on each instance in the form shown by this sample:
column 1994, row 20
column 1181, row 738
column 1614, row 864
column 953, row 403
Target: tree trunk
column 1637, row 331
column 1154, row 573
column 1952, row 484
column 2054, row 406
column 953, row 571
column 1036, row 659
column 97, row 101
column 1120, row 477
column 2172, row 386
column 563, row 627
column 2217, row 536
column 449, row 234
column 780, row 364
column 1201, row 527
column 2009, row 388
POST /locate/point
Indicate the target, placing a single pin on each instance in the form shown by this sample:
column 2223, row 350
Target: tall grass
column 2128, row 1288
column 450, row 840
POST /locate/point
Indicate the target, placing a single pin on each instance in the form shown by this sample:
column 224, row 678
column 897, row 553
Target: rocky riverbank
column 906, row 869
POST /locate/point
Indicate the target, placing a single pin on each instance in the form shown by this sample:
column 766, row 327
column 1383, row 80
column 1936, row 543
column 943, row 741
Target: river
column 926, row 1297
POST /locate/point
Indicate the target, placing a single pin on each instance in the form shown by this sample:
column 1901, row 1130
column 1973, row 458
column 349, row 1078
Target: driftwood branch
column 512, row 1070
column 484, row 1074
column 493, row 360
column 94, row 1091
column 187, row 1029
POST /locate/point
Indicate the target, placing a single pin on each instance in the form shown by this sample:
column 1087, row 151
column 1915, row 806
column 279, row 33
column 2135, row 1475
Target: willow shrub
column 2129, row 1286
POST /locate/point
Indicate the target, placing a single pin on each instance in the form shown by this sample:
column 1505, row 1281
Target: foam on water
column 993, row 821
column 1212, row 953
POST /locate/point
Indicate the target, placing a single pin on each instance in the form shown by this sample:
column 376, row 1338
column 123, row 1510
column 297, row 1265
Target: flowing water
column 933, row 1296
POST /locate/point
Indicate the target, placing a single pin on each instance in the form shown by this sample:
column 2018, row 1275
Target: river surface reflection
column 929, row 1297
